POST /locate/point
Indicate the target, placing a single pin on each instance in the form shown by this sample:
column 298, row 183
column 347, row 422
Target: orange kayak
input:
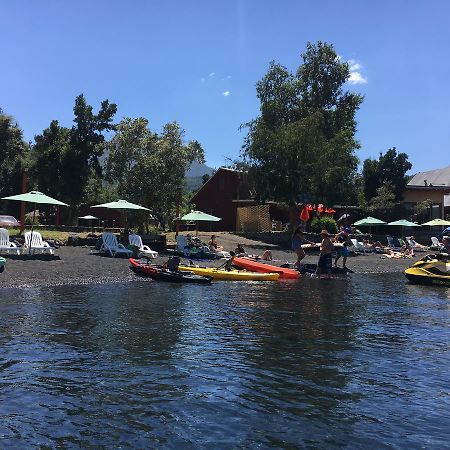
column 255, row 266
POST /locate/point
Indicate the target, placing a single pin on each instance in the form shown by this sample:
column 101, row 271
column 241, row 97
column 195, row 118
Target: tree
column 150, row 168
column 390, row 168
column 384, row 205
column 303, row 142
column 13, row 156
column 66, row 160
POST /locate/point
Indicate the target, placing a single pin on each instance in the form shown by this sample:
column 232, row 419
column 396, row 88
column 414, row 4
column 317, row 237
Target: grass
column 61, row 236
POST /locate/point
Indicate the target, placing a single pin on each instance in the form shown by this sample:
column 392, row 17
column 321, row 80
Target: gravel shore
column 85, row 265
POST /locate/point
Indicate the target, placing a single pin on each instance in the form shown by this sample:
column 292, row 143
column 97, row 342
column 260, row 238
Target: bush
column 324, row 223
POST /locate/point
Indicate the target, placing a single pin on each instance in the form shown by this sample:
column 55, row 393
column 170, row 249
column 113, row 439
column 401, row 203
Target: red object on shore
column 255, row 266
column 304, row 214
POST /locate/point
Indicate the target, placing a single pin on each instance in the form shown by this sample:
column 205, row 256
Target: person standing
column 326, row 255
column 343, row 239
column 298, row 239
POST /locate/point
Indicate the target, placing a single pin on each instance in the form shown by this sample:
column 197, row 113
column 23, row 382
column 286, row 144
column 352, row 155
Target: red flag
column 304, row 214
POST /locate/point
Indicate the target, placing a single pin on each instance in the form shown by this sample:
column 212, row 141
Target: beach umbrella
column 198, row 216
column 123, row 206
column 437, row 222
column 403, row 223
column 35, row 197
column 368, row 222
column 89, row 217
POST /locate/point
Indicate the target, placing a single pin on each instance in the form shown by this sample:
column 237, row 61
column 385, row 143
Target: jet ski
column 431, row 269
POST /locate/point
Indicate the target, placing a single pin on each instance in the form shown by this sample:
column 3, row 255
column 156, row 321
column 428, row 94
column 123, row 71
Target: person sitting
column 446, row 244
column 239, row 250
column 228, row 264
column 213, row 246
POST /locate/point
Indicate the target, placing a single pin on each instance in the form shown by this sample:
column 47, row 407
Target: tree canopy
column 150, row 167
column 13, row 155
column 390, row 169
column 66, row 160
column 303, row 143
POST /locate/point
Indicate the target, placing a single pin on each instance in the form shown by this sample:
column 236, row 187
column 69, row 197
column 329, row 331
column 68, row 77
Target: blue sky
column 197, row 62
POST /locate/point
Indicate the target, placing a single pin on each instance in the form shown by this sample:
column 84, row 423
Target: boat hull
column 161, row 274
column 420, row 276
column 255, row 266
column 232, row 275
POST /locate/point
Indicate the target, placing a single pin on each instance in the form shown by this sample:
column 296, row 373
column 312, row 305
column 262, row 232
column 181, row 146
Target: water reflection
column 284, row 365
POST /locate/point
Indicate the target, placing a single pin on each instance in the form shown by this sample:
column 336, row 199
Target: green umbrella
column 404, row 223
column 437, row 222
column 35, row 197
column 369, row 221
column 198, row 216
column 121, row 205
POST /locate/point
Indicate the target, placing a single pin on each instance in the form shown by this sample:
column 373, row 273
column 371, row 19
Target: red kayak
column 255, row 266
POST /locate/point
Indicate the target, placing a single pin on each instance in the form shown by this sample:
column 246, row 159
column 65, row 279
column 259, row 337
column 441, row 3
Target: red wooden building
column 225, row 192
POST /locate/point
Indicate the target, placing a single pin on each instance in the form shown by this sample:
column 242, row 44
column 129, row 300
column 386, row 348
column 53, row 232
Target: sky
column 197, row 62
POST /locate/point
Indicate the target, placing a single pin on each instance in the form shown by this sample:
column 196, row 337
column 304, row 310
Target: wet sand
column 85, row 265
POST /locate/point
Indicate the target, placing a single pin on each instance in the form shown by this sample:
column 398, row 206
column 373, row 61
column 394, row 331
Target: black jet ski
column 431, row 269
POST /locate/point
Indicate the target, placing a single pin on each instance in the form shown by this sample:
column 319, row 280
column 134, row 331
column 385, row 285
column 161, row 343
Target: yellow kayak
column 235, row 275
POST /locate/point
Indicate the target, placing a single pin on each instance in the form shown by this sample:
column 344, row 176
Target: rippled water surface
column 354, row 363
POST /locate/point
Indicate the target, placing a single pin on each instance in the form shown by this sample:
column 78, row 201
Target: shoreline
column 85, row 265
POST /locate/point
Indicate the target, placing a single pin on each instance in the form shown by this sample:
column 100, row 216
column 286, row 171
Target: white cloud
column 355, row 75
column 203, row 79
column 226, row 93
column 212, row 74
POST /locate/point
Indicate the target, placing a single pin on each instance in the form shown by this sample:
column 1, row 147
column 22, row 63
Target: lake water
column 354, row 363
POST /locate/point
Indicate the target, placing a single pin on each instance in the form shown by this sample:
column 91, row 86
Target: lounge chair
column 5, row 244
column 34, row 243
column 358, row 246
column 111, row 245
column 415, row 246
column 435, row 244
column 182, row 245
column 144, row 250
column 393, row 243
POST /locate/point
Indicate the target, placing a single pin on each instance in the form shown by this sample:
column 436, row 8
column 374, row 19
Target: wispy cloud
column 226, row 93
column 355, row 73
column 212, row 74
column 202, row 79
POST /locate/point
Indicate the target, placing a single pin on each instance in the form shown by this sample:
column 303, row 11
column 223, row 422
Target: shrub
column 324, row 223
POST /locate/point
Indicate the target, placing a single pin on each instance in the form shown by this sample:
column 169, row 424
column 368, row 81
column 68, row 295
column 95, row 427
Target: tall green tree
column 149, row 168
column 303, row 143
column 66, row 160
column 13, row 156
column 391, row 169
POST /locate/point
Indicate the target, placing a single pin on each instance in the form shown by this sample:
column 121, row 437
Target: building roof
column 435, row 178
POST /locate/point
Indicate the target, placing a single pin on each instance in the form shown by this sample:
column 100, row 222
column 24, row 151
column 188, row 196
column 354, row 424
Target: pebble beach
column 85, row 265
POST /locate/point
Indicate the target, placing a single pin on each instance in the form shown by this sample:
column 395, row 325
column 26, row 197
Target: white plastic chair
column 34, row 242
column 435, row 244
column 136, row 240
column 111, row 245
column 358, row 246
column 5, row 244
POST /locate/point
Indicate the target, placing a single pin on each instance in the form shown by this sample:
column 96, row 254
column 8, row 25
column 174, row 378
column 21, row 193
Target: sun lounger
column 34, row 243
column 393, row 243
column 144, row 250
column 435, row 244
column 111, row 245
column 5, row 244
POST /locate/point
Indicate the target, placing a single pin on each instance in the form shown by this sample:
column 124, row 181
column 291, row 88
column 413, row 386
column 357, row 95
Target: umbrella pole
column 32, row 225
